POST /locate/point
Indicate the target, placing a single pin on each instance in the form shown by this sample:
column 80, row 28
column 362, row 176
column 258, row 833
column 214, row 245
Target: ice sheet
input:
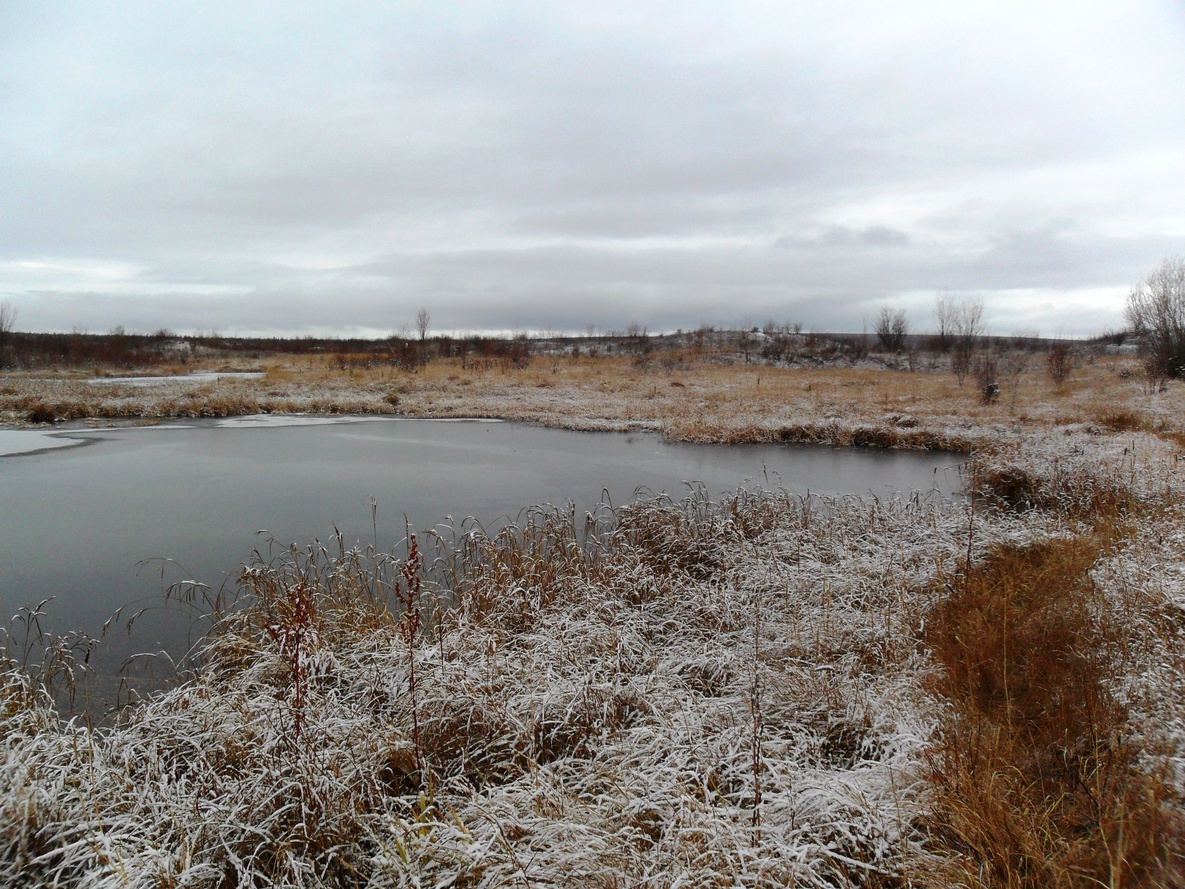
column 27, row 441
column 274, row 421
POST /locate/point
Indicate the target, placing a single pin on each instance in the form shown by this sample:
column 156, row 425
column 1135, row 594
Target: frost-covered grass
column 760, row 691
column 704, row 399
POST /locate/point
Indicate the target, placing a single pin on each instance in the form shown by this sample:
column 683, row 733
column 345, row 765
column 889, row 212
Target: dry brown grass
column 1038, row 783
column 1122, row 419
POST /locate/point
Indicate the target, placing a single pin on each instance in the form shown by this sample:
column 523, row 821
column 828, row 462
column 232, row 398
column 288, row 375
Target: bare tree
column 891, row 328
column 967, row 320
column 1156, row 313
column 423, row 319
column 8, row 315
column 944, row 319
column 7, row 320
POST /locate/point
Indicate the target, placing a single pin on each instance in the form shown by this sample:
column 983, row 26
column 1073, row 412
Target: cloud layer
column 313, row 167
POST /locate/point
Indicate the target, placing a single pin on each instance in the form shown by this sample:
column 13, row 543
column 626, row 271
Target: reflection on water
column 76, row 522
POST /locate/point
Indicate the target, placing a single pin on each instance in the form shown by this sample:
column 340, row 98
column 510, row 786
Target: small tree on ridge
column 7, row 320
column 891, row 328
column 1156, row 313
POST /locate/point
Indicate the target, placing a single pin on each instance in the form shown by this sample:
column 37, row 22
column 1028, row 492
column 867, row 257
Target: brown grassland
column 686, row 394
column 769, row 690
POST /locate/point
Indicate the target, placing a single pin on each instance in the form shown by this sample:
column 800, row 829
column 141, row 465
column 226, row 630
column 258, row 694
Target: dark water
column 76, row 521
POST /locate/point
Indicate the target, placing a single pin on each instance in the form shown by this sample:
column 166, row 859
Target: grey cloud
column 845, row 237
column 883, row 236
column 532, row 166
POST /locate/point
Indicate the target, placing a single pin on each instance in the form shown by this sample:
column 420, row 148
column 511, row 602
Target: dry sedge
column 1038, row 782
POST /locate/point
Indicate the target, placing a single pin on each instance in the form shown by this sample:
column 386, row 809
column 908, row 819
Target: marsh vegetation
column 760, row 689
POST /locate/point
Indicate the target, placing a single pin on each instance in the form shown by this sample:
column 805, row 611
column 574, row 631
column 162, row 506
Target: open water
column 98, row 519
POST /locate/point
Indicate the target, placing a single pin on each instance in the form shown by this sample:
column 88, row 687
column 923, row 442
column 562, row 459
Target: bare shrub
column 968, row 326
column 987, row 378
column 8, row 313
column 1059, row 361
column 1155, row 378
column 944, row 320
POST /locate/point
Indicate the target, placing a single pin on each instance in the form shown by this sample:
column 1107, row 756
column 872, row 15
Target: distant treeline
column 132, row 351
column 33, row 350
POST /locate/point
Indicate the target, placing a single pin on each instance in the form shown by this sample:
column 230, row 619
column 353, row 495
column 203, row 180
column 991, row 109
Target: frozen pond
column 76, row 521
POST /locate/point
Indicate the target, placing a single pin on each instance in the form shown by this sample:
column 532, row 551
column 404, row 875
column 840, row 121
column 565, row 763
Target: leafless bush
column 8, row 315
column 891, row 328
column 943, row 320
column 1059, row 362
column 987, row 378
column 7, row 320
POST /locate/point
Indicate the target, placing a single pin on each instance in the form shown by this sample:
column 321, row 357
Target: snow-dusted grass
column 701, row 398
column 695, row 694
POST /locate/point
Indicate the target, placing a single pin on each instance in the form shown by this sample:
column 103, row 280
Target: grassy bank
column 759, row 691
column 709, row 397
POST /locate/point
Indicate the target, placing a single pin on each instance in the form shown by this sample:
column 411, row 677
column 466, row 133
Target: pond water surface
column 78, row 522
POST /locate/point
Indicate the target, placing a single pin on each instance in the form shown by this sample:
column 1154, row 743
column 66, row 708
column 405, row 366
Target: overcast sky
column 288, row 168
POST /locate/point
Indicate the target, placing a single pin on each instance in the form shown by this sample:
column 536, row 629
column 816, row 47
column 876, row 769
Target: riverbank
column 757, row 691
column 841, row 403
